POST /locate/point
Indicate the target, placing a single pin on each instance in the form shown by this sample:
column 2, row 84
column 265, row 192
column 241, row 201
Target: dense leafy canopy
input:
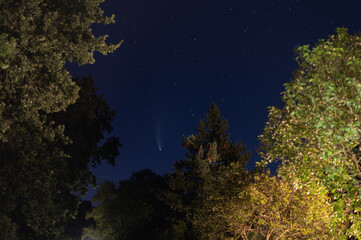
column 133, row 210
column 40, row 175
column 86, row 121
column 221, row 186
column 317, row 132
column 272, row 208
column 47, row 191
column 209, row 151
column 40, row 36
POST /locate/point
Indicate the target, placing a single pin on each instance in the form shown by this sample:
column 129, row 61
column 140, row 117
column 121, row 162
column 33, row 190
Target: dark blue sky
column 180, row 55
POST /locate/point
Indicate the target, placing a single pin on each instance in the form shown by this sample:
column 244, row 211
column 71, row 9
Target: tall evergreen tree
column 214, row 130
column 207, row 152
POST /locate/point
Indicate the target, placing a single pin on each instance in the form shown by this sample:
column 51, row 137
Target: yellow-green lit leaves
column 272, row 208
column 7, row 48
column 319, row 127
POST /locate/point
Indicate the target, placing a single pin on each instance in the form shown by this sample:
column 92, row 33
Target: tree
column 37, row 38
column 133, row 210
column 86, row 121
column 40, row 36
column 74, row 227
column 7, row 48
column 272, row 208
column 316, row 132
column 209, row 150
column 7, row 228
column 39, row 201
column 220, row 187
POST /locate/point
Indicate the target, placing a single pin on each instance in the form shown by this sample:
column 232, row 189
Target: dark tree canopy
column 214, row 130
column 41, row 193
column 86, row 122
column 38, row 174
column 133, row 210
column 207, row 152
column 74, row 226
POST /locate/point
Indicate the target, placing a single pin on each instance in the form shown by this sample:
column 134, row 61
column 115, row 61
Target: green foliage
column 221, row 186
column 208, row 150
column 181, row 205
column 7, row 48
column 250, row 205
column 40, row 37
column 316, row 132
column 272, row 208
column 41, row 189
column 40, row 174
column 214, row 130
column 207, row 153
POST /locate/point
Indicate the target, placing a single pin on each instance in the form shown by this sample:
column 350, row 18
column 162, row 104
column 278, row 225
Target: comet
column 158, row 137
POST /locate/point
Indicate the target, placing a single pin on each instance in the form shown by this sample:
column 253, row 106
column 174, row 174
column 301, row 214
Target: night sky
column 180, row 55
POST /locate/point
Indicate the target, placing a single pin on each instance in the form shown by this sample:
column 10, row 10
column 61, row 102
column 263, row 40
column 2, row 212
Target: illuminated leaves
column 272, row 208
column 315, row 133
column 258, row 206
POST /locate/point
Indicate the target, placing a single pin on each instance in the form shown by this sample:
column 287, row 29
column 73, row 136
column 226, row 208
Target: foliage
column 7, row 228
column 318, row 130
column 37, row 38
column 209, row 150
column 48, row 188
column 7, row 48
column 86, row 121
column 133, row 210
column 252, row 205
column 40, row 37
column 221, row 186
column 74, row 227
column 272, row 208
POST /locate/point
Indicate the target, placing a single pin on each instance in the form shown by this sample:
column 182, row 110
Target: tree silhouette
column 207, row 152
